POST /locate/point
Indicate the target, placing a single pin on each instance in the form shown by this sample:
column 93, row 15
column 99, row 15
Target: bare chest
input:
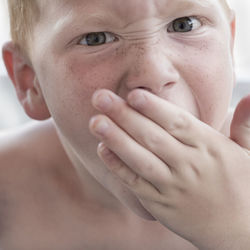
column 57, row 230
column 40, row 214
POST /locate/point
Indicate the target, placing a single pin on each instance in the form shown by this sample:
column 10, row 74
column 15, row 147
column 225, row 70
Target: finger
column 139, row 159
column 240, row 126
column 142, row 188
column 179, row 123
column 146, row 132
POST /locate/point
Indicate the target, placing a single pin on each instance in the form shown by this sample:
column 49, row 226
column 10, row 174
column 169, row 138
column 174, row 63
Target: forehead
column 121, row 8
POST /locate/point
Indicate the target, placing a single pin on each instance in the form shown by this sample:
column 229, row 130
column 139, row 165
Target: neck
column 110, row 195
column 93, row 192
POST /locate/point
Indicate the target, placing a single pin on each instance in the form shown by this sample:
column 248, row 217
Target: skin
column 121, row 67
column 178, row 191
column 187, row 79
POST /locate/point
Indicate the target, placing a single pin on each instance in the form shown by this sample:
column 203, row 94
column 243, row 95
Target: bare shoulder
column 34, row 143
column 34, row 185
column 26, row 152
column 33, row 157
column 30, row 158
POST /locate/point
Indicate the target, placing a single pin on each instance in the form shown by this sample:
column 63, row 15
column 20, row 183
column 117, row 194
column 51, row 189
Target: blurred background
column 12, row 114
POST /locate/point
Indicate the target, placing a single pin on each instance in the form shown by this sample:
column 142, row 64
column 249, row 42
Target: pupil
column 183, row 25
column 96, row 39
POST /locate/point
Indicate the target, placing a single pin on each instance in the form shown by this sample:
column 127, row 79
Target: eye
column 97, row 39
column 184, row 24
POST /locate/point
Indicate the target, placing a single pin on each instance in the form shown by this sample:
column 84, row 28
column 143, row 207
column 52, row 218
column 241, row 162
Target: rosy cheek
column 209, row 74
column 89, row 75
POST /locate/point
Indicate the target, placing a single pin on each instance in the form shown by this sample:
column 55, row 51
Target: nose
column 151, row 68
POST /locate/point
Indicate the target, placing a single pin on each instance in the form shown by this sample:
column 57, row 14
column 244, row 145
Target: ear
column 232, row 40
column 233, row 29
column 25, row 82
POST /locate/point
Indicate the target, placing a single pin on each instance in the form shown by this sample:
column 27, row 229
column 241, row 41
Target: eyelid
column 84, row 36
column 202, row 21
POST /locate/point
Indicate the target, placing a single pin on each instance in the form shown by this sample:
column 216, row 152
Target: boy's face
column 134, row 44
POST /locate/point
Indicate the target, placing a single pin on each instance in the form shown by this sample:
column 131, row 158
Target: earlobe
column 233, row 29
column 25, row 82
column 34, row 103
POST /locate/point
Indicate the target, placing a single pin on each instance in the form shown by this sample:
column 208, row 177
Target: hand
column 191, row 178
column 240, row 126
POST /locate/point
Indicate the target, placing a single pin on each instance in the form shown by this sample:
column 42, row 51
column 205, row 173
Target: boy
column 165, row 159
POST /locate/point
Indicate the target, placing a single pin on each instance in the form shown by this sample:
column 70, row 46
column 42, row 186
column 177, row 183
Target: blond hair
column 24, row 14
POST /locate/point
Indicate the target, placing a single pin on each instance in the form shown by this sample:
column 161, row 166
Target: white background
column 4, row 29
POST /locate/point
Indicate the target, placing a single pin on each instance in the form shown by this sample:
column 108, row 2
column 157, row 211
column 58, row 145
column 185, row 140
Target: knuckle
column 133, row 180
column 152, row 140
column 149, row 168
column 195, row 170
column 180, row 122
column 126, row 175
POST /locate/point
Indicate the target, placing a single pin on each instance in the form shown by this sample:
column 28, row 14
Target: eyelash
column 196, row 23
column 110, row 37
column 107, row 35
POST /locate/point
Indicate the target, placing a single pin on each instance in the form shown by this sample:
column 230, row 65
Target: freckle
column 120, row 52
column 71, row 68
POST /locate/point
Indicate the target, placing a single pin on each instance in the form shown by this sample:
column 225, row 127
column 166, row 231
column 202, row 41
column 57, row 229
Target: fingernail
column 100, row 127
column 102, row 101
column 103, row 150
column 137, row 99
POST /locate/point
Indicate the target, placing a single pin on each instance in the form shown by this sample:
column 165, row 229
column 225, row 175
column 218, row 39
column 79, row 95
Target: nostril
column 145, row 88
column 157, row 88
column 169, row 84
column 154, row 88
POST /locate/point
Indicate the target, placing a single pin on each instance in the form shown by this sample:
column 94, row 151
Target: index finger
column 177, row 122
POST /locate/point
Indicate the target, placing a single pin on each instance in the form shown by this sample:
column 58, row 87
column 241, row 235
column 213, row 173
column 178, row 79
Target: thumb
column 240, row 126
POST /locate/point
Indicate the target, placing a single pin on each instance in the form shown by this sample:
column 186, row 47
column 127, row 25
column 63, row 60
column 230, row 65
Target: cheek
column 83, row 79
column 210, row 75
column 73, row 82
column 68, row 89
